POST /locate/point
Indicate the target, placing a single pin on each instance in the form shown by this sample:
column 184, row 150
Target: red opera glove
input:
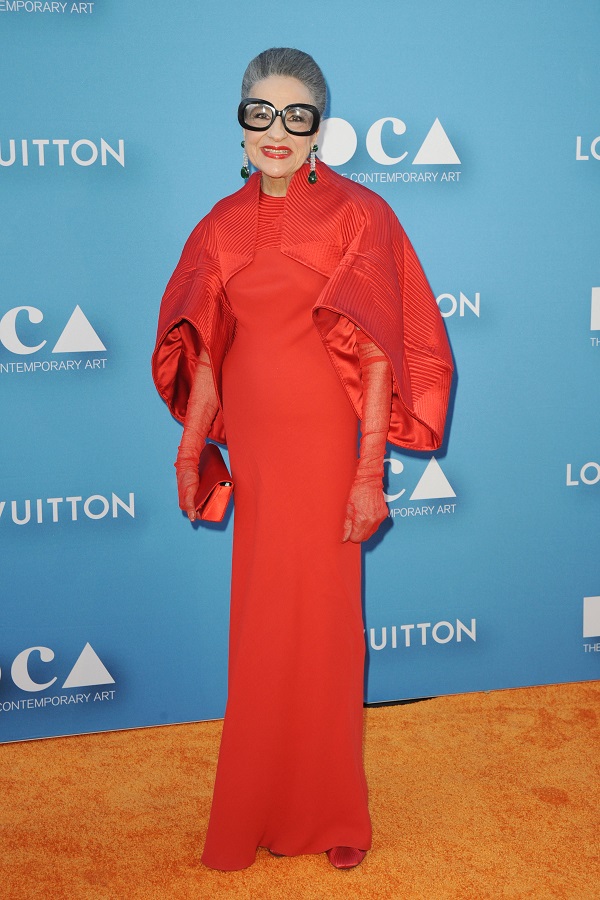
column 366, row 506
column 201, row 410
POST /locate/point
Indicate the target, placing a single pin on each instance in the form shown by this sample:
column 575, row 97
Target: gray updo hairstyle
column 290, row 63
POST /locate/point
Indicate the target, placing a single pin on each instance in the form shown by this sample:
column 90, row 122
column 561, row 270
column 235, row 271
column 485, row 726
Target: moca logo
column 88, row 670
column 338, row 142
column 77, row 336
column 432, row 485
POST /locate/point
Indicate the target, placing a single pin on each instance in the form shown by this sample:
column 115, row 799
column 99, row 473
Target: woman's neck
column 275, row 187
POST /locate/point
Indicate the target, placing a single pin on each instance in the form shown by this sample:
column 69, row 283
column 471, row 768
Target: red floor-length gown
column 290, row 775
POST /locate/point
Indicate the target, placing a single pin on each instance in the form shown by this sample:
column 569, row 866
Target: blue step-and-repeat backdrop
column 479, row 123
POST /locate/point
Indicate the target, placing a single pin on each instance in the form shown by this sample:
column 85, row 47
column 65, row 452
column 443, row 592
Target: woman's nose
column 276, row 130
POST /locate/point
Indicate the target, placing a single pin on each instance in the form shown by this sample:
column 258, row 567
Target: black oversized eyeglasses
column 297, row 118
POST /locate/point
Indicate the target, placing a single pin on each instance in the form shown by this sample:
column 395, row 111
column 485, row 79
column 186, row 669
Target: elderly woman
column 297, row 309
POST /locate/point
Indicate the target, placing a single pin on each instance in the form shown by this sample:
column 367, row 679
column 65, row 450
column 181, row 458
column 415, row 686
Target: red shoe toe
column 345, row 857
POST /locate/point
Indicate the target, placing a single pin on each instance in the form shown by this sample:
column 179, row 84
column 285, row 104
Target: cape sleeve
column 194, row 312
column 381, row 287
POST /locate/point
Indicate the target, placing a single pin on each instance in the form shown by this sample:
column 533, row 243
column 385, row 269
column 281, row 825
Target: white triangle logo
column 78, row 336
column 89, row 669
column 433, row 484
column 436, row 149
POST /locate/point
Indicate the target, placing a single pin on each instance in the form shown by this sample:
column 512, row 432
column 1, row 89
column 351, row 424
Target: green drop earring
column 245, row 171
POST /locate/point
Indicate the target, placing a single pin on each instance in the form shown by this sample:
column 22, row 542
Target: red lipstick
column 276, row 151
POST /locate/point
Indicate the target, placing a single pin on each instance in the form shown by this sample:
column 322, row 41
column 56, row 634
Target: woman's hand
column 365, row 512
column 366, row 506
column 201, row 410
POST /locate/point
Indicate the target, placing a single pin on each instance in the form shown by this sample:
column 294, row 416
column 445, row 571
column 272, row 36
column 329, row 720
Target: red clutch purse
column 215, row 486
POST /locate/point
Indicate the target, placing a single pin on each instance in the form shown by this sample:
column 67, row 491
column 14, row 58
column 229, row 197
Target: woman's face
column 276, row 152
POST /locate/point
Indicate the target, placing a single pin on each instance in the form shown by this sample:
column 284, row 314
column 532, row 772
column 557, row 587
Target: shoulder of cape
column 224, row 213
column 226, row 232
column 357, row 199
column 367, row 222
column 247, row 195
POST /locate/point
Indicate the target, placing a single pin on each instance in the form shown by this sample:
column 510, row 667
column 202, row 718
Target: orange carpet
column 475, row 796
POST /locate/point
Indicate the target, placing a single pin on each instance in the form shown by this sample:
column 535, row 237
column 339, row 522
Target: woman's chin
column 277, row 169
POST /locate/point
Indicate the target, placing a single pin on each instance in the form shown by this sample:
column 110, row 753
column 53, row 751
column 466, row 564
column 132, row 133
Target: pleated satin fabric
column 350, row 235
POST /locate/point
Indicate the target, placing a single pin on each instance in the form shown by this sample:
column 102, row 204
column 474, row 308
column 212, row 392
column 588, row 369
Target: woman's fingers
column 190, row 502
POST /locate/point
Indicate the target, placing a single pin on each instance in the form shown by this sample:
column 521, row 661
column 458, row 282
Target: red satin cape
column 375, row 280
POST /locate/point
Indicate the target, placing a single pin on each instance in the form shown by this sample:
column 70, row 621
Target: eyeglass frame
column 279, row 112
